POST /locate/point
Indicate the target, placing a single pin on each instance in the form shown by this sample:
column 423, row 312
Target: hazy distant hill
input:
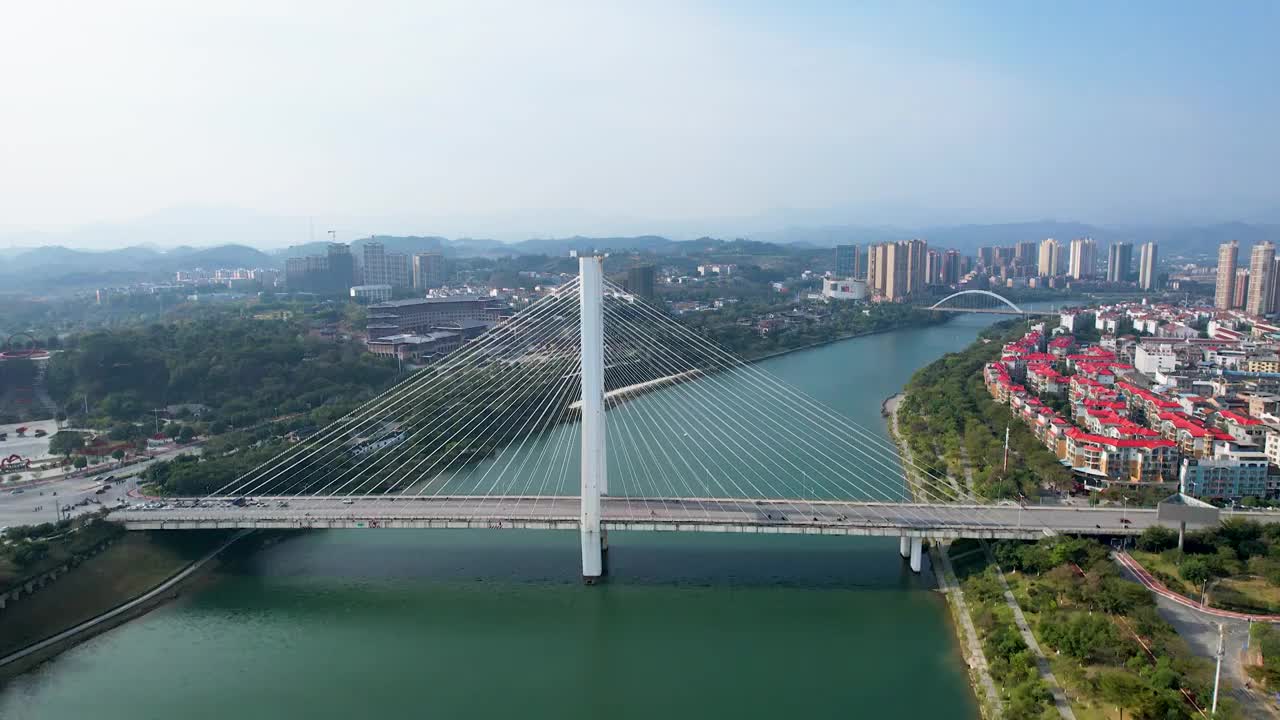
column 66, row 268
column 56, row 267
column 410, row 244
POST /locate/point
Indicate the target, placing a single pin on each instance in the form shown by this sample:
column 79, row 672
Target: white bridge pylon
column 593, row 467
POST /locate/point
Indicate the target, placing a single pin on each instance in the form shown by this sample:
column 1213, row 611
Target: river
column 486, row 624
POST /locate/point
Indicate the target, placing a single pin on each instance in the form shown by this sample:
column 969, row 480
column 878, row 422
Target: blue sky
column 476, row 117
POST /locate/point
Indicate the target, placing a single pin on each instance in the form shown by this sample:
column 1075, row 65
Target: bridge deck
column 722, row 515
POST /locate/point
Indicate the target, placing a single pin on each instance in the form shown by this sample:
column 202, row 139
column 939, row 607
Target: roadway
column 40, row 503
column 655, row 514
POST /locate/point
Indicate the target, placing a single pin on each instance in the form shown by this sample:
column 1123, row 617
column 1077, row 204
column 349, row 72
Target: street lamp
column 1204, row 593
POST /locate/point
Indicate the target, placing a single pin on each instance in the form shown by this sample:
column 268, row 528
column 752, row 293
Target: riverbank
column 979, row 672
column 889, row 410
column 851, row 336
column 135, row 574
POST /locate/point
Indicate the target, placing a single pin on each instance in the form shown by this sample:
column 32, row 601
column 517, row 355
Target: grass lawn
column 131, row 566
column 1239, row 592
column 1249, row 591
column 1164, row 570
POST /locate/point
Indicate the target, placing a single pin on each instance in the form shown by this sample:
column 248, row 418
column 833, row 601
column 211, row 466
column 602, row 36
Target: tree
column 80, row 462
column 124, row 431
column 66, row 442
column 186, row 434
column 1157, row 539
column 118, row 454
column 1120, row 689
column 30, row 552
column 1195, row 569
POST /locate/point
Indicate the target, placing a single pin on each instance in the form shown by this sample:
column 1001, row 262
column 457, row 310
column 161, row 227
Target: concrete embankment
column 36, row 653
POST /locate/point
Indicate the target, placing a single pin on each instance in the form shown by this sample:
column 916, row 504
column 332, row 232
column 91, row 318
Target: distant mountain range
column 64, row 268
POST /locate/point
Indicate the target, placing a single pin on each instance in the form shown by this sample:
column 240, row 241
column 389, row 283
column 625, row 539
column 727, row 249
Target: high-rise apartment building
column 1147, row 266
column 896, row 269
column 333, row 272
column 933, row 268
column 917, row 255
column 987, row 257
column 1119, row 260
column 1048, row 259
column 1240, row 289
column 1026, row 254
column 1005, row 256
column 1224, row 291
column 1083, row 260
column 640, row 282
column 951, row 263
column 374, row 264
column 875, row 269
column 398, row 273
column 847, row 261
column 1275, row 285
column 1262, row 260
column 430, row 270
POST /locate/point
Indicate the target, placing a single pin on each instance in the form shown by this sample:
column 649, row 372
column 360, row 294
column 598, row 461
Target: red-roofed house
column 1243, row 428
column 1121, row 460
column 1043, row 379
column 1192, row 437
column 1061, row 345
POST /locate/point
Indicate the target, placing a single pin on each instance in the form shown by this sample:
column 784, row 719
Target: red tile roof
column 1238, row 418
column 1081, row 436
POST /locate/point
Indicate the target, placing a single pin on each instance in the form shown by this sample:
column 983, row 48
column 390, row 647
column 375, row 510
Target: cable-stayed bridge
column 982, row 301
column 591, row 410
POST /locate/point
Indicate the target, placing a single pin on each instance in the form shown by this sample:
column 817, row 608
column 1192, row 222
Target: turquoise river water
column 450, row 624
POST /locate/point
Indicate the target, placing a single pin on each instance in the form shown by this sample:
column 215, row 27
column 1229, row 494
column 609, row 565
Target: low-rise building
column 1151, row 359
column 844, row 289
column 416, row 348
column 1263, row 364
column 1228, row 476
column 371, row 293
column 418, row 315
column 1243, row 428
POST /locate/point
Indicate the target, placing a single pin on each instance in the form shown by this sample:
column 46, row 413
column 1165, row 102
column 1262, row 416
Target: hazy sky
column 575, row 112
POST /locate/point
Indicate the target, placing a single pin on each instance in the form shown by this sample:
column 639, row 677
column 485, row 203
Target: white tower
column 594, row 481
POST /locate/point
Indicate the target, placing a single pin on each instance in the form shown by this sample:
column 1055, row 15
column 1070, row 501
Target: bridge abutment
column 917, row 550
column 904, row 547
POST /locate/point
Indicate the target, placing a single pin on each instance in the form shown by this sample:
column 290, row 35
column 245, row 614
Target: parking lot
column 30, row 446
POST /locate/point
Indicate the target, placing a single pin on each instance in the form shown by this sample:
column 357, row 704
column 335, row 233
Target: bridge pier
column 904, row 547
column 917, row 549
column 593, row 554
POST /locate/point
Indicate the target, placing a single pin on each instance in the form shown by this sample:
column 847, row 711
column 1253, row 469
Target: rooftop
column 426, row 301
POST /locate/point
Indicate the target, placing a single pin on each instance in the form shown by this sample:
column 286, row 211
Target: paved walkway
column 1199, row 627
column 1042, row 663
column 150, row 595
column 1160, row 589
column 978, row 659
